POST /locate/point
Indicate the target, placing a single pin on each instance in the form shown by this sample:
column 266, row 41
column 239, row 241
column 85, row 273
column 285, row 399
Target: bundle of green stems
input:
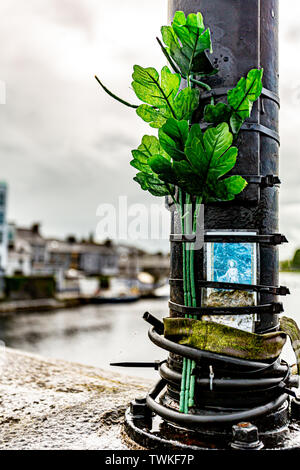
column 188, row 216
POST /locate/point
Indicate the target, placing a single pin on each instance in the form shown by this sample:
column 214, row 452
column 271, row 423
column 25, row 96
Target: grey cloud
column 64, row 145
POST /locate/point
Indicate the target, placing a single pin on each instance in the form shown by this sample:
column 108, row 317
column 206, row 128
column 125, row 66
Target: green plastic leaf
column 236, row 123
column 152, row 184
column 242, row 97
column 186, row 103
column 150, row 146
column 163, row 168
column 194, row 149
column 155, row 117
column 225, row 189
column 209, row 157
column 180, row 173
column 157, row 91
column 162, row 97
column 187, row 42
column 146, row 177
column 217, row 113
column 140, row 162
column 187, row 179
column 225, row 163
column 174, row 49
column 217, row 140
column 173, row 136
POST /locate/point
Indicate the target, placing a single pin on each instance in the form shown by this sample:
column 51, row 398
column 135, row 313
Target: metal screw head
column 245, row 436
column 139, row 409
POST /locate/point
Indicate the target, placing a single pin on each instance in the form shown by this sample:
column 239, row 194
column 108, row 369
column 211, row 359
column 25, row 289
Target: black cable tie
column 155, row 364
column 272, row 308
column 266, row 93
column 281, row 290
column 270, row 180
column 267, row 181
column 268, row 239
column 181, row 237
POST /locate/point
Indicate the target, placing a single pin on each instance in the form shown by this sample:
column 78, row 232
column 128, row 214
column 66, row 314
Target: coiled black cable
column 269, row 379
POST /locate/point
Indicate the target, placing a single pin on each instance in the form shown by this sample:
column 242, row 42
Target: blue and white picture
column 232, row 263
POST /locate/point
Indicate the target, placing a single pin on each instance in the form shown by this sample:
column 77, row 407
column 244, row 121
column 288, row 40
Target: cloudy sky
column 65, row 145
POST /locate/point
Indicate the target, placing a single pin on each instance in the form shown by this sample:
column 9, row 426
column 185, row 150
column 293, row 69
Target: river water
column 99, row 334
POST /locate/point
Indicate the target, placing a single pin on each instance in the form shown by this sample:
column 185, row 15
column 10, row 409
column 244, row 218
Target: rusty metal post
column 245, row 36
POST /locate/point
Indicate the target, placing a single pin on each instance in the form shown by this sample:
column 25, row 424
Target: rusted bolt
column 245, row 437
column 139, row 408
column 244, row 425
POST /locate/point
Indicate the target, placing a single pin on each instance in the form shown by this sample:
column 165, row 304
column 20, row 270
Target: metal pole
column 245, row 36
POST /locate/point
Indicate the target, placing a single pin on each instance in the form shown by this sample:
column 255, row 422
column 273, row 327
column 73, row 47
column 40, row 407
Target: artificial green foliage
column 152, row 184
column 160, row 93
column 148, row 180
column 240, row 102
column 218, row 113
column 197, row 162
column 242, row 97
column 186, row 42
column 173, row 136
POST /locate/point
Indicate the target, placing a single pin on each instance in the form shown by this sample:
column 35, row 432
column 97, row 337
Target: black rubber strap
column 281, row 290
column 179, row 237
column 272, row 308
column 253, row 127
column 223, row 91
column 271, row 239
column 264, row 181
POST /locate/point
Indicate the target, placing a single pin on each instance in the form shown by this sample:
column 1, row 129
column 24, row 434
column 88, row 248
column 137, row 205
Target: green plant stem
column 115, row 97
column 188, row 219
column 200, row 83
column 188, row 216
column 194, row 299
column 203, row 85
column 184, row 364
column 187, row 385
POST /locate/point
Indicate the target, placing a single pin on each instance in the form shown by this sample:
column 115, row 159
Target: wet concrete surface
column 54, row 404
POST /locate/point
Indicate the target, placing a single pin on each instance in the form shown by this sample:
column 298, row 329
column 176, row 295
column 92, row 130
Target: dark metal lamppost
column 237, row 403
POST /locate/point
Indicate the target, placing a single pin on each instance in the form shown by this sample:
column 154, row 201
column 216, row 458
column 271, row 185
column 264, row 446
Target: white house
column 19, row 254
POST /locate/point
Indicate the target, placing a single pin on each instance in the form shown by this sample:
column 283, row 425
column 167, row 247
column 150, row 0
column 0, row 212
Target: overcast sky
column 64, row 145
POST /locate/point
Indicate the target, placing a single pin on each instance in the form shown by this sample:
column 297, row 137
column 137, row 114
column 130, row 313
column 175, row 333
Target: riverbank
column 40, row 305
column 54, row 404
